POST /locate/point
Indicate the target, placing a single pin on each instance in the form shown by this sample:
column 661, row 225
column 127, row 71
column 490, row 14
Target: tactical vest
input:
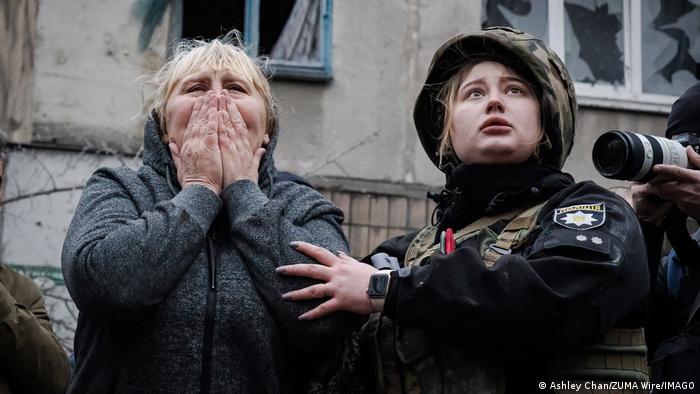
column 410, row 360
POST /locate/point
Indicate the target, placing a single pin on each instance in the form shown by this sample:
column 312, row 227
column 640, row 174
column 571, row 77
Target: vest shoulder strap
column 513, row 234
column 421, row 245
column 521, row 222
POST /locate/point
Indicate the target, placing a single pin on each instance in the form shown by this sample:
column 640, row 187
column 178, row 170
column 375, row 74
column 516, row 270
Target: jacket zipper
column 207, row 342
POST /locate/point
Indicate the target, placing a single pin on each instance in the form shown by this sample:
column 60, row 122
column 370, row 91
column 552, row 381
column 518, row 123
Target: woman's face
column 495, row 117
column 246, row 98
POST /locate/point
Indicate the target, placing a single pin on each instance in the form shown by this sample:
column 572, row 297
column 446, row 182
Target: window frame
column 627, row 97
column 283, row 69
column 321, row 71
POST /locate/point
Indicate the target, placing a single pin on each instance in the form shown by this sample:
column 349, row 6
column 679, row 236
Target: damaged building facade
column 346, row 73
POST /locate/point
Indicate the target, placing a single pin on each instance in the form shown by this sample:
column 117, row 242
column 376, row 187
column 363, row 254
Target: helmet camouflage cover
column 524, row 53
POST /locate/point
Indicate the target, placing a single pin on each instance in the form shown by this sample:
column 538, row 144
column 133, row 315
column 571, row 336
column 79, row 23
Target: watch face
column 378, row 284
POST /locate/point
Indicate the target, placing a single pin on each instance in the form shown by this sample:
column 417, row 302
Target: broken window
column 592, row 55
column 293, row 34
column 212, row 18
column 636, row 53
column 594, row 41
column 671, row 36
column 525, row 15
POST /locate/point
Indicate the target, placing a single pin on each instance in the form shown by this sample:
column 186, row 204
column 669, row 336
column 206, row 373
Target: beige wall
column 365, row 115
column 18, row 20
column 359, row 125
column 87, row 65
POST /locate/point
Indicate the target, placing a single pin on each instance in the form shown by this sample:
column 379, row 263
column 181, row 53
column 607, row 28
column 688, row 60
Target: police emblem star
column 581, row 216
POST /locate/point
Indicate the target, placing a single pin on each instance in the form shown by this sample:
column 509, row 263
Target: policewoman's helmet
column 526, row 55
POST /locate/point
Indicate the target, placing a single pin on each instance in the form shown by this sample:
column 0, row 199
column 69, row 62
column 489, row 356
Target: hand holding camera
column 632, row 156
column 681, row 186
column 666, row 180
column 669, row 168
column 665, row 171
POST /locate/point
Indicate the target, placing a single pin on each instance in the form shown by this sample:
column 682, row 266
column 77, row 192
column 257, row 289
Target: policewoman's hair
column 528, row 57
column 449, row 94
column 190, row 56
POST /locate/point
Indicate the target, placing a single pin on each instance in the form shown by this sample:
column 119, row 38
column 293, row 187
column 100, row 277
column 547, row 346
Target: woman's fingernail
column 303, row 317
column 280, row 270
column 294, row 244
column 341, row 253
column 286, row 296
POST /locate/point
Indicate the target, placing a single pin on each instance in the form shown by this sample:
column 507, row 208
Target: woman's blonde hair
column 447, row 96
column 224, row 53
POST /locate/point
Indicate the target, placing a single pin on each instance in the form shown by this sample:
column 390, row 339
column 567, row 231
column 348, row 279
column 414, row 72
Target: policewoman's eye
column 515, row 90
column 474, row 93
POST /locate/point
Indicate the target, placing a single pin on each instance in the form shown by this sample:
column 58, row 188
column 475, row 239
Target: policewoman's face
column 495, row 117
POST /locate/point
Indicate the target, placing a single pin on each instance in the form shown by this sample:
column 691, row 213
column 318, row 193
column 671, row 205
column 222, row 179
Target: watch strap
column 378, row 301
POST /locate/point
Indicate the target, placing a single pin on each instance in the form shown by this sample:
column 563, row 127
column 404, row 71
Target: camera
column 631, row 156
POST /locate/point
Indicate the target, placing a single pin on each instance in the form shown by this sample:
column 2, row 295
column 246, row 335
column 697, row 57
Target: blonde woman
column 172, row 265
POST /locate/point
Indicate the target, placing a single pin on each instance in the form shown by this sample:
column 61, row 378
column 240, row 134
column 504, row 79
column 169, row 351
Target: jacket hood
column 156, row 154
column 684, row 114
column 524, row 53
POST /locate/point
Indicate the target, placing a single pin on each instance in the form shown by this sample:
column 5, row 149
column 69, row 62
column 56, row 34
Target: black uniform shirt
column 574, row 279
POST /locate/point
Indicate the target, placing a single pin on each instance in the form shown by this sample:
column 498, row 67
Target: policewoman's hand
column 345, row 278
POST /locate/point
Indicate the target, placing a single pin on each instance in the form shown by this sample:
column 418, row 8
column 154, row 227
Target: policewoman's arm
column 565, row 287
column 579, row 276
column 343, row 281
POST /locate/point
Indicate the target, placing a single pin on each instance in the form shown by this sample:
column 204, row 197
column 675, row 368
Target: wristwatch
column 377, row 289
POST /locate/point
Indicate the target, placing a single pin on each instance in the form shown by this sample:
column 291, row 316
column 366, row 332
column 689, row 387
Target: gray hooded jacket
column 177, row 289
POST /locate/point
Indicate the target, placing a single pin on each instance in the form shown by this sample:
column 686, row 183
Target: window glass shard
column 297, row 39
column 594, row 39
column 671, row 46
column 528, row 16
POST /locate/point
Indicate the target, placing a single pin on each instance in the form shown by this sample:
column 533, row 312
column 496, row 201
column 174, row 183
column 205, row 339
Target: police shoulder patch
column 580, row 217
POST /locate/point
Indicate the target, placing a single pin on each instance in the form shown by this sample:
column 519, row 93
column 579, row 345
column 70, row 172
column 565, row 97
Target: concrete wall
column 18, row 26
column 381, row 51
column 87, row 65
column 359, row 125
column 87, row 90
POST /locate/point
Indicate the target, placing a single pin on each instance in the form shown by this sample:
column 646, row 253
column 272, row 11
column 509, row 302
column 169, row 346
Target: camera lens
column 632, row 156
column 610, row 154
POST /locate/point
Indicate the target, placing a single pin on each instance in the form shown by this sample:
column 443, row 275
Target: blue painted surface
column 251, row 31
column 151, row 14
column 44, row 271
column 309, row 71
